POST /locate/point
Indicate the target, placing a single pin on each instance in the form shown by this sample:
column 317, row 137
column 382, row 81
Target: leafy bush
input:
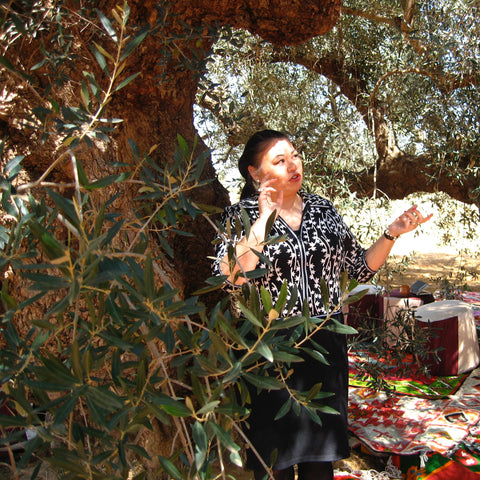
column 115, row 351
column 119, row 350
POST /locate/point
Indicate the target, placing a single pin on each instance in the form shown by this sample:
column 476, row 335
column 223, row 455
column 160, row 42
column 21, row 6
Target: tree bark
column 282, row 22
column 158, row 105
column 161, row 104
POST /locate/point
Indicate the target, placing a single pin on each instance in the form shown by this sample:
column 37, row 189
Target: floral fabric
column 323, row 248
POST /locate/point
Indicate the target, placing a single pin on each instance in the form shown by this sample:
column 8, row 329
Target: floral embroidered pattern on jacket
column 323, row 248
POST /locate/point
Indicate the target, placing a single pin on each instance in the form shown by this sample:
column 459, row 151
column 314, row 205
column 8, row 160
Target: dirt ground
column 439, row 270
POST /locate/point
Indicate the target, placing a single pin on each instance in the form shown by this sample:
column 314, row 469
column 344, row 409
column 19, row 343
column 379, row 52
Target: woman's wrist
column 254, row 241
column 389, row 236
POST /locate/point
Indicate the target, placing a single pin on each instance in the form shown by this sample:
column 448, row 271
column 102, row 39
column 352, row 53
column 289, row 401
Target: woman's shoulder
column 250, row 203
column 316, row 200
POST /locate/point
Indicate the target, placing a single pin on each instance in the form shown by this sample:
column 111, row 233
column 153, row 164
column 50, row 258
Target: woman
column 318, row 245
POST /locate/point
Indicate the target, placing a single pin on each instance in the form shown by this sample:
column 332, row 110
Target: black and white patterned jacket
column 323, row 248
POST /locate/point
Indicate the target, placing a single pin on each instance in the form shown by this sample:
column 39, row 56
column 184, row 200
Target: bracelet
column 389, row 236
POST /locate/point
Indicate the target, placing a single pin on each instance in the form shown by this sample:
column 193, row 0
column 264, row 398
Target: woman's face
column 282, row 163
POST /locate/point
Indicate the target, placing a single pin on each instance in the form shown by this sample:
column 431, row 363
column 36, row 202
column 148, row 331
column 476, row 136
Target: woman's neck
column 292, row 203
column 291, row 211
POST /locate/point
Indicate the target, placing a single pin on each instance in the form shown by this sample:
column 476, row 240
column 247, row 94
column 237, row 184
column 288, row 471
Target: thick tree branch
column 406, row 174
column 393, row 165
column 274, row 20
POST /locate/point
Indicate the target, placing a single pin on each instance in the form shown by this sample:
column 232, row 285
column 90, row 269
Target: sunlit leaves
column 429, row 66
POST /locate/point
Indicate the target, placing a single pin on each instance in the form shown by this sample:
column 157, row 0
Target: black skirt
column 297, row 438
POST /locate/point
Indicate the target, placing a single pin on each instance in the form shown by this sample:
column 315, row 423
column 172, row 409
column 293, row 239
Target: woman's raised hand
column 269, row 199
column 409, row 220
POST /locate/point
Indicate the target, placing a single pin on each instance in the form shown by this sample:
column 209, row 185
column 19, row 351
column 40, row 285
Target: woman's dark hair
column 257, row 144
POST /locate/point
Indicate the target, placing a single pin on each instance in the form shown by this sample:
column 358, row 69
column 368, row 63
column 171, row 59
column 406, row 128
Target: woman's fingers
column 409, row 220
column 413, row 217
column 269, row 198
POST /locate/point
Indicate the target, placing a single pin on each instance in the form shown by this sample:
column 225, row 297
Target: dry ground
column 438, row 268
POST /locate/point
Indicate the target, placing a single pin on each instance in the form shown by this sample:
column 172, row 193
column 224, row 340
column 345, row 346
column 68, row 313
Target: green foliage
column 119, row 350
column 420, row 72
column 103, row 348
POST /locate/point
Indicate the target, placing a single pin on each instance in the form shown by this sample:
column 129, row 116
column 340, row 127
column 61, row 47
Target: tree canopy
column 385, row 101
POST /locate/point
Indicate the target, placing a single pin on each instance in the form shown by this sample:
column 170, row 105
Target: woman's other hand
column 409, row 220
